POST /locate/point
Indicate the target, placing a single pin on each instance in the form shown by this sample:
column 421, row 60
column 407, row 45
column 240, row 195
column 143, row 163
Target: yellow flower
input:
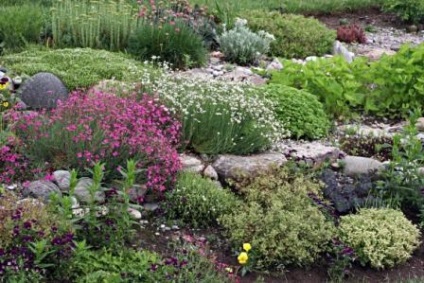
column 247, row 247
column 242, row 258
column 5, row 104
column 4, row 86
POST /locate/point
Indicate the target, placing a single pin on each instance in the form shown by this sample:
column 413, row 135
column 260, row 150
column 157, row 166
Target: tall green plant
column 402, row 182
column 20, row 25
column 101, row 24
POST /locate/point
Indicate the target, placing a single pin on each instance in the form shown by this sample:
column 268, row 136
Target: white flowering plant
column 220, row 117
column 241, row 45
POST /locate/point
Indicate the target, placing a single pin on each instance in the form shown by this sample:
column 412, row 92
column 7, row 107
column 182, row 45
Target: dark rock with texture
column 42, row 91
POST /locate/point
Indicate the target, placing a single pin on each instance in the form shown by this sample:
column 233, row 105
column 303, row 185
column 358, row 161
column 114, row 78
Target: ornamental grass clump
column 219, row 117
column 380, row 237
column 96, row 126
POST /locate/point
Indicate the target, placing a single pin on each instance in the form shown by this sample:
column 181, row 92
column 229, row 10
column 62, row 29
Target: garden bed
column 230, row 144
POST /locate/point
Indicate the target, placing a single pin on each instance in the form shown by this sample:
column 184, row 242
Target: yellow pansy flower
column 5, row 104
column 3, row 86
column 242, row 258
column 247, row 247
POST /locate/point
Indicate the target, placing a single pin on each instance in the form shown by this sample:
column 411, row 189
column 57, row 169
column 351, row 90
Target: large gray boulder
column 41, row 189
column 42, row 91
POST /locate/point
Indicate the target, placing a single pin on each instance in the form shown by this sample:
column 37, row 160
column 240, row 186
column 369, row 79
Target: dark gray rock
column 41, row 189
column 43, row 90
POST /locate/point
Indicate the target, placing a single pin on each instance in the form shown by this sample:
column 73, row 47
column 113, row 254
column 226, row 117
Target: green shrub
column 380, row 237
column 397, row 82
column 408, row 10
column 300, row 111
column 218, row 117
column 20, row 25
column 77, row 68
column 280, row 221
column 337, row 84
column 95, row 24
column 242, row 46
column 176, row 44
column 198, row 201
column 296, row 36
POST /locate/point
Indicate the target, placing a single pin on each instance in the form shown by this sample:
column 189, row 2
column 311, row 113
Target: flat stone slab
column 355, row 165
column 235, row 167
column 311, row 152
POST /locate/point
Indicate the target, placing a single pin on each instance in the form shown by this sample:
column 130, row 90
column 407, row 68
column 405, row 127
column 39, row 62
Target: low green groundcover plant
column 198, row 202
column 296, row 36
column 380, row 237
column 280, row 221
column 78, row 67
column 300, row 111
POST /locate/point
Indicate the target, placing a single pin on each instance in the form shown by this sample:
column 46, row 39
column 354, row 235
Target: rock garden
column 211, row 141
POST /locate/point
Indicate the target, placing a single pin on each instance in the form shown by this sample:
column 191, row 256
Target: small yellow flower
column 242, row 258
column 4, row 86
column 5, row 104
column 247, row 247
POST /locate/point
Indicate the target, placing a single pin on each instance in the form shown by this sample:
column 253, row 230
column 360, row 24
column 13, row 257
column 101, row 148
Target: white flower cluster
column 190, row 96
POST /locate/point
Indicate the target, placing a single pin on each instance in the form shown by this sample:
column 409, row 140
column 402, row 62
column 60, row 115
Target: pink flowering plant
column 96, row 126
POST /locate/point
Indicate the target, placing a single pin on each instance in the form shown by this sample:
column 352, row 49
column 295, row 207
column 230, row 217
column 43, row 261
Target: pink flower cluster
column 12, row 163
column 96, row 126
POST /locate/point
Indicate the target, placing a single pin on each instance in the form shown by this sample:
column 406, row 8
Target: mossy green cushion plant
column 280, row 221
column 380, row 237
column 77, row 68
column 198, row 201
column 296, row 36
column 300, row 111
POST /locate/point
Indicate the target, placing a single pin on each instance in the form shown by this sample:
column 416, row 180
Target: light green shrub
column 397, row 82
column 219, row 117
column 300, row 111
column 280, row 221
column 408, row 10
column 77, row 68
column 296, row 36
column 338, row 85
column 198, row 202
column 380, row 237
column 242, row 46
